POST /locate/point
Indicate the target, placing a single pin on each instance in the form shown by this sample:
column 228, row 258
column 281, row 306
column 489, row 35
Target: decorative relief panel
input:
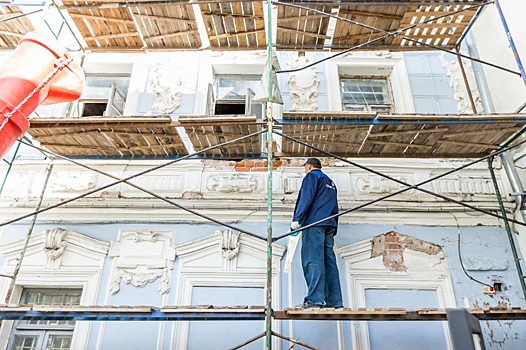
column 235, row 183
column 379, row 185
column 167, row 85
column 141, row 257
column 169, row 184
column 303, row 84
column 71, row 182
column 463, row 185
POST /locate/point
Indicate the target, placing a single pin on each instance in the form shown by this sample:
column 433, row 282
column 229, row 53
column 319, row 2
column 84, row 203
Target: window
column 232, row 94
column 104, row 95
column 366, row 94
column 41, row 334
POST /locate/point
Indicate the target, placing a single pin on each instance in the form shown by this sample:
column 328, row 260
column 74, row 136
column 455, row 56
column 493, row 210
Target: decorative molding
column 72, row 181
column 79, row 266
column 229, row 243
column 425, row 269
column 55, row 244
column 235, row 183
column 142, row 257
column 167, row 88
column 460, row 92
column 303, row 84
column 485, row 264
column 201, row 264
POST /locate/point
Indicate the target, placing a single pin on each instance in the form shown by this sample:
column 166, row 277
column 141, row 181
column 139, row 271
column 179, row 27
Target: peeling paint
column 391, row 246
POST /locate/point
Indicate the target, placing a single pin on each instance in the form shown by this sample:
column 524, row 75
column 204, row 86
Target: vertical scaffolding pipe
column 508, row 228
column 270, row 121
column 9, row 167
column 466, row 82
column 513, row 177
column 512, row 43
column 28, row 236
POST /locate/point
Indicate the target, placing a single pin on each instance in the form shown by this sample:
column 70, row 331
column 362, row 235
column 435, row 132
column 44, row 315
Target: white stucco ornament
column 229, row 243
column 54, row 243
column 141, row 257
column 167, row 84
column 460, row 91
column 303, row 84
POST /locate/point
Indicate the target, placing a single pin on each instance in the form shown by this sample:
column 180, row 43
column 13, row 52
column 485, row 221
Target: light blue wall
column 475, row 242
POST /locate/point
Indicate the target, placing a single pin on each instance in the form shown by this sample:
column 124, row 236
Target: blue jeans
column 320, row 268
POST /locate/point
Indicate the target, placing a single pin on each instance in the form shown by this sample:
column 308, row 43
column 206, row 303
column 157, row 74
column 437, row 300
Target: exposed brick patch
column 255, row 165
column 391, row 247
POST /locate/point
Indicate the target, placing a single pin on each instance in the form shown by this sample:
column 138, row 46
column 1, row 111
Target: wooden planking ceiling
column 299, row 28
column 109, row 137
column 418, row 136
column 13, row 25
column 143, row 26
column 110, row 25
column 235, row 24
column 207, row 131
column 444, row 32
column 346, row 134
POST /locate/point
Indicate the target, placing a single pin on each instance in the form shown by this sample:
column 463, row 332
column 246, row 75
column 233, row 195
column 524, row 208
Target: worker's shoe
column 308, row 305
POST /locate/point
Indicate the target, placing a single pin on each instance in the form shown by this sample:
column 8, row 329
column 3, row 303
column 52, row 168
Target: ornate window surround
column 81, row 269
column 203, row 264
column 380, row 64
column 364, row 272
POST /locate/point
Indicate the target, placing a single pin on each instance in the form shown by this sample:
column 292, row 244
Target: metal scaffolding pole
column 20, row 259
column 270, row 122
column 510, row 40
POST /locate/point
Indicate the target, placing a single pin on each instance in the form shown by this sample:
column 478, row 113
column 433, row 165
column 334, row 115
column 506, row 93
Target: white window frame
column 42, row 331
column 364, row 272
column 367, row 107
column 34, row 273
column 372, row 64
column 215, row 271
column 77, row 108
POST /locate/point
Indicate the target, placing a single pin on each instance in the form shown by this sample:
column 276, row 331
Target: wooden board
column 210, row 131
column 234, row 25
column 139, row 27
column 110, row 137
column 13, row 26
column 351, row 134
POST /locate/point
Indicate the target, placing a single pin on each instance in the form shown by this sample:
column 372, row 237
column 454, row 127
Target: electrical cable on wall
column 460, row 256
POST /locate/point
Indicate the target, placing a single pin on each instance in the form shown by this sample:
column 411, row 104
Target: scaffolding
column 292, row 128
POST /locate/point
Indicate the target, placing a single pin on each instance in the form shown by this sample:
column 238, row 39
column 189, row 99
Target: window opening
column 103, row 95
column 366, row 94
column 45, row 334
column 233, row 95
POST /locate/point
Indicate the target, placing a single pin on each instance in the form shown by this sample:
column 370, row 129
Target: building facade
column 98, row 241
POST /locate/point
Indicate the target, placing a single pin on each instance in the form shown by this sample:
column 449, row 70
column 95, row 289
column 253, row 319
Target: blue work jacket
column 317, row 200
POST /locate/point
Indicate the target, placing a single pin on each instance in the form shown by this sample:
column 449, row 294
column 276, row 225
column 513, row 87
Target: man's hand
column 294, row 225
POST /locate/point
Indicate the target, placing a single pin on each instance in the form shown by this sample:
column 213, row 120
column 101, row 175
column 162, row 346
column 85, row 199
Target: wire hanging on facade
column 460, row 256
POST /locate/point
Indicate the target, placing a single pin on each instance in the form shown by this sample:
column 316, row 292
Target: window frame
column 42, row 331
column 76, row 109
column 370, row 107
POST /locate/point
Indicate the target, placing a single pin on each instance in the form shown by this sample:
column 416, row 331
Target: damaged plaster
column 391, row 246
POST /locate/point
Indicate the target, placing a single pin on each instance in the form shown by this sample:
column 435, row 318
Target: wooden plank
column 106, row 19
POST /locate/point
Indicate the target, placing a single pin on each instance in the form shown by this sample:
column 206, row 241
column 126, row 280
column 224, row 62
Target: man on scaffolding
column 318, row 200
